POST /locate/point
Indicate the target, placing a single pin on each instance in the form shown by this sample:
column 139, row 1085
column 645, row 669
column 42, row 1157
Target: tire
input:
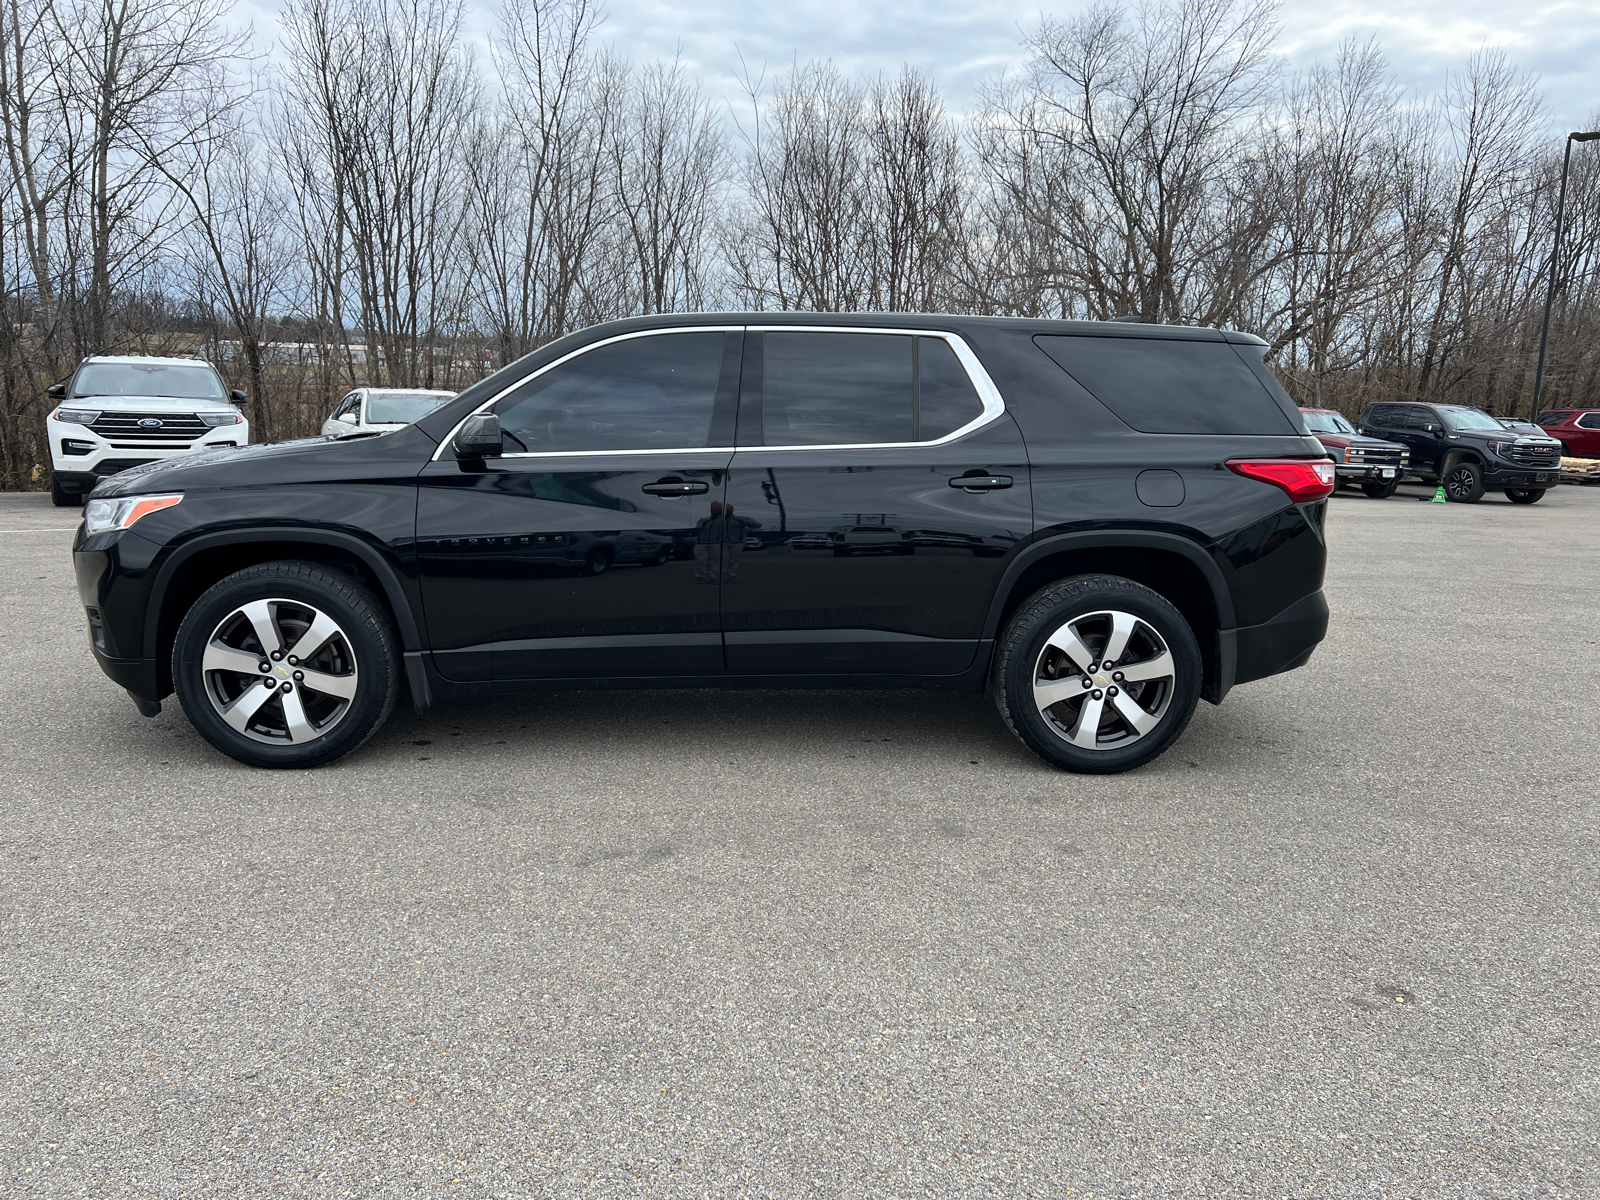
column 358, row 658
column 1084, row 612
column 1463, row 483
column 1380, row 490
column 660, row 559
column 596, row 563
column 1525, row 495
column 62, row 498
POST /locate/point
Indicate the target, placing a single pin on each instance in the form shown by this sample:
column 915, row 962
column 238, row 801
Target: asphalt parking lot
column 1341, row 941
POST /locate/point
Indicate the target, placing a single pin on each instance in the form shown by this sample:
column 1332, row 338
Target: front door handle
column 981, row 483
column 676, row 487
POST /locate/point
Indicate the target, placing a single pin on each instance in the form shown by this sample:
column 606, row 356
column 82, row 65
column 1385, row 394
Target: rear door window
column 1160, row 386
column 837, row 389
column 1589, row 421
column 946, row 399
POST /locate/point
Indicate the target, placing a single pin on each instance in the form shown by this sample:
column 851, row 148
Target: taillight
column 1303, row 478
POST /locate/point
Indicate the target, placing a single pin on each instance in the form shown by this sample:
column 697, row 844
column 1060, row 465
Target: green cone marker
column 1438, row 496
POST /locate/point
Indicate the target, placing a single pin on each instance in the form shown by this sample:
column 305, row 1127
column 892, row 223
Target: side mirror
column 348, row 418
column 478, row 438
column 56, row 391
column 237, row 396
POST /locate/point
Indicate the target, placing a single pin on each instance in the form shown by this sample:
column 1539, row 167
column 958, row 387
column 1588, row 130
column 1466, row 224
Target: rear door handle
column 676, row 487
column 981, row 483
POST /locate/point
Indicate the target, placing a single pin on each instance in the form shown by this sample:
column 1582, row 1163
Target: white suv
column 121, row 412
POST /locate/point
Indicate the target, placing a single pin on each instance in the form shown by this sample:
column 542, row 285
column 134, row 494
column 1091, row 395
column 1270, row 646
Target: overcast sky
column 961, row 42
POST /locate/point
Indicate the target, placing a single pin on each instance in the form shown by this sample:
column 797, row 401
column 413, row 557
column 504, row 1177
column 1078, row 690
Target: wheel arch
column 204, row 561
column 1173, row 566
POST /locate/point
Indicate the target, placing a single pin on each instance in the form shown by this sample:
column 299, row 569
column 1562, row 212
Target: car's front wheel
column 1097, row 674
column 286, row 664
column 1463, row 483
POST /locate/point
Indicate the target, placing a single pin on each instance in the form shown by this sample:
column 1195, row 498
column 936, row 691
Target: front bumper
column 81, row 458
column 1507, row 475
column 1380, row 472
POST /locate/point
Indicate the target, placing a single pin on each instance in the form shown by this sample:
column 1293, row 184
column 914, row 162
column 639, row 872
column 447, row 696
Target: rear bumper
column 1283, row 643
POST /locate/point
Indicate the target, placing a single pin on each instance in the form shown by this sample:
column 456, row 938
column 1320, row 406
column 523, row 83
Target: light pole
column 1555, row 258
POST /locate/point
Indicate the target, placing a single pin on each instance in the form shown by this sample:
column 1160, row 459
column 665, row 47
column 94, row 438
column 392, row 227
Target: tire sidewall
column 1045, row 612
column 1475, row 493
column 358, row 614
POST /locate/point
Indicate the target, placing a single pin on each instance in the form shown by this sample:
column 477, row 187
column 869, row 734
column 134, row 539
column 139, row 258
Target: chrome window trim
column 988, row 395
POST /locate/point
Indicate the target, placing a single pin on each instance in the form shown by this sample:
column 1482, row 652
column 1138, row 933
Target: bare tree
column 387, row 95
column 671, row 161
column 1118, row 144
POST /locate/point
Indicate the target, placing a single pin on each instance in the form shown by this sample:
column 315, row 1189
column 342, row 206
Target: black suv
column 1099, row 522
column 1468, row 451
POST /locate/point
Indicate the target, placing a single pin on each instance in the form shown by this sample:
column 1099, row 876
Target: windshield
column 401, row 408
column 180, row 382
column 1468, row 419
column 1326, row 422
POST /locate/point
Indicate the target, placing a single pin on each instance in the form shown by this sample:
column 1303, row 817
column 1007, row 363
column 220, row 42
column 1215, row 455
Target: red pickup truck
column 1375, row 464
column 1578, row 430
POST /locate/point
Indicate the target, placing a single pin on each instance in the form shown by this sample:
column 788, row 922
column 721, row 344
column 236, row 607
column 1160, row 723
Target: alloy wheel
column 1460, row 483
column 1104, row 680
column 280, row 671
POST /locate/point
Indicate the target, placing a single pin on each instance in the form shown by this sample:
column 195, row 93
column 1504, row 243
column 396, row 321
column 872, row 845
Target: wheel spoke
column 311, row 640
column 1134, row 714
column 244, row 706
column 225, row 658
column 260, row 615
column 1159, row 667
column 1053, row 691
column 294, row 717
column 1068, row 642
column 1121, row 630
column 343, row 686
column 1087, row 730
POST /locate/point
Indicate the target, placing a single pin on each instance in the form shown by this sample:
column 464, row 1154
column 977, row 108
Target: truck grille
column 174, row 427
column 1376, row 454
column 1533, row 455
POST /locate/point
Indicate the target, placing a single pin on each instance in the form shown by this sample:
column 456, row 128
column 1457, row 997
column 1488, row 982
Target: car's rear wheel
column 61, row 498
column 1097, row 674
column 1380, row 489
column 1463, row 483
column 286, row 664
column 1525, row 495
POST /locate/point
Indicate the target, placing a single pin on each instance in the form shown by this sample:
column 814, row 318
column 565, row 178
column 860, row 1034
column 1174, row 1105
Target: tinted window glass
column 648, row 393
column 148, row 379
column 1469, row 419
column 946, row 398
column 1159, row 386
column 830, row 389
column 1553, row 418
column 1589, row 421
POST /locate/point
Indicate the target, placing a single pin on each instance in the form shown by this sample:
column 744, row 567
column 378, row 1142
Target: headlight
column 101, row 515
column 220, row 418
column 77, row 416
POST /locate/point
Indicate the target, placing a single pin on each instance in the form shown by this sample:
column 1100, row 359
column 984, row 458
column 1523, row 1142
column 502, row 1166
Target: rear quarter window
column 1159, row 386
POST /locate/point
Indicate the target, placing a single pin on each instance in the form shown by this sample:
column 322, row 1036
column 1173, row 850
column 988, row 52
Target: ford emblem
column 149, row 423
